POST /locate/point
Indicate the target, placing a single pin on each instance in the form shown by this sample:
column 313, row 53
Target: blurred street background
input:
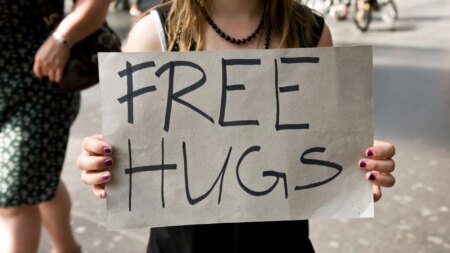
column 411, row 91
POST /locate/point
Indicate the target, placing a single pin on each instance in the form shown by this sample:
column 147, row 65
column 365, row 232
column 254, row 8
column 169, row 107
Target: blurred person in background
column 362, row 6
column 134, row 8
column 35, row 118
column 131, row 5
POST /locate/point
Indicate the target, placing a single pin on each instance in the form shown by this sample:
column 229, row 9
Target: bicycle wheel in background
column 362, row 16
column 389, row 11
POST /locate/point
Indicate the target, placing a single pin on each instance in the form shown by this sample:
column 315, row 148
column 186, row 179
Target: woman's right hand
column 94, row 162
column 50, row 60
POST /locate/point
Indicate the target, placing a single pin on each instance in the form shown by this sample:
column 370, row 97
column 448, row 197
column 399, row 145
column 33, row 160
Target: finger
column 376, row 192
column 44, row 67
column 385, row 166
column 52, row 75
column 95, row 177
column 385, row 180
column 95, row 145
column 90, row 162
column 58, row 75
column 99, row 190
column 381, row 150
column 37, row 69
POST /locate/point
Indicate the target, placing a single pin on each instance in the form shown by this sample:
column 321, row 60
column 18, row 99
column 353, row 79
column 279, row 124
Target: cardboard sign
column 237, row 136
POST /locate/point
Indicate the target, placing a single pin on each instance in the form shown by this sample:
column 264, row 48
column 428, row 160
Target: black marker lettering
column 131, row 93
column 130, row 177
column 226, row 87
column 131, row 170
column 290, row 88
column 320, row 163
column 221, row 175
column 300, row 60
column 176, row 96
column 275, row 174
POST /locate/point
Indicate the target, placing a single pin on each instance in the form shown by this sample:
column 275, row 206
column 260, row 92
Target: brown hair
column 293, row 21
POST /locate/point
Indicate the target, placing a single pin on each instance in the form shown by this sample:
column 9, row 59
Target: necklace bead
column 231, row 39
column 245, row 40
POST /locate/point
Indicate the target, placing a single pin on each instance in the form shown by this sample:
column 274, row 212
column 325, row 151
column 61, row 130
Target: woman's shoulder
column 313, row 24
column 144, row 36
column 321, row 33
column 318, row 29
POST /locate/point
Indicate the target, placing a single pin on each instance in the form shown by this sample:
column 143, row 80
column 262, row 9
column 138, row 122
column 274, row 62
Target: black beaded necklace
column 244, row 40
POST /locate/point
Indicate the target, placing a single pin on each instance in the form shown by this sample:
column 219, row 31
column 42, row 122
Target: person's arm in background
column 86, row 17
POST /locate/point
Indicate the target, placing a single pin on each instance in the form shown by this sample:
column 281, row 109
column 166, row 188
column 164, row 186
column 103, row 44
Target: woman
column 35, row 118
column 229, row 25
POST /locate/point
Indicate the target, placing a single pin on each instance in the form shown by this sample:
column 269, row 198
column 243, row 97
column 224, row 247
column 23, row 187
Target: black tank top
column 261, row 237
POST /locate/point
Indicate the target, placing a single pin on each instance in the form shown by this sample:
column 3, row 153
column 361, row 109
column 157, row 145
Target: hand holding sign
column 379, row 164
column 94, row 161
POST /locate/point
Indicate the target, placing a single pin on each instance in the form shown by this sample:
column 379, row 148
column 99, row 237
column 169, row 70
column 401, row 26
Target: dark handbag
column 81, row 70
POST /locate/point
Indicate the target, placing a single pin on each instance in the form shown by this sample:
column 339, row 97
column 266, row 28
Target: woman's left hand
column 50, row 60
column 379, row 166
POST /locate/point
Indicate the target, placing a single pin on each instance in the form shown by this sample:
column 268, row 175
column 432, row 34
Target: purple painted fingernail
column 372, row 177
column 108, row 162
column 362, row 164
column 105, row 176
column 370, row 153
column 106, row 150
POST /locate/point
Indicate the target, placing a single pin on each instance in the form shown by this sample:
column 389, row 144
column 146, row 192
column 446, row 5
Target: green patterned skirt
column 35, row 117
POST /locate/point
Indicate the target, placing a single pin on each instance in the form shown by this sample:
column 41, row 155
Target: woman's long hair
column 294, row 22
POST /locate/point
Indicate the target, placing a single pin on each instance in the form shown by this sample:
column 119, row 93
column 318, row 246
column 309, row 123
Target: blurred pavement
column 411, row 109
